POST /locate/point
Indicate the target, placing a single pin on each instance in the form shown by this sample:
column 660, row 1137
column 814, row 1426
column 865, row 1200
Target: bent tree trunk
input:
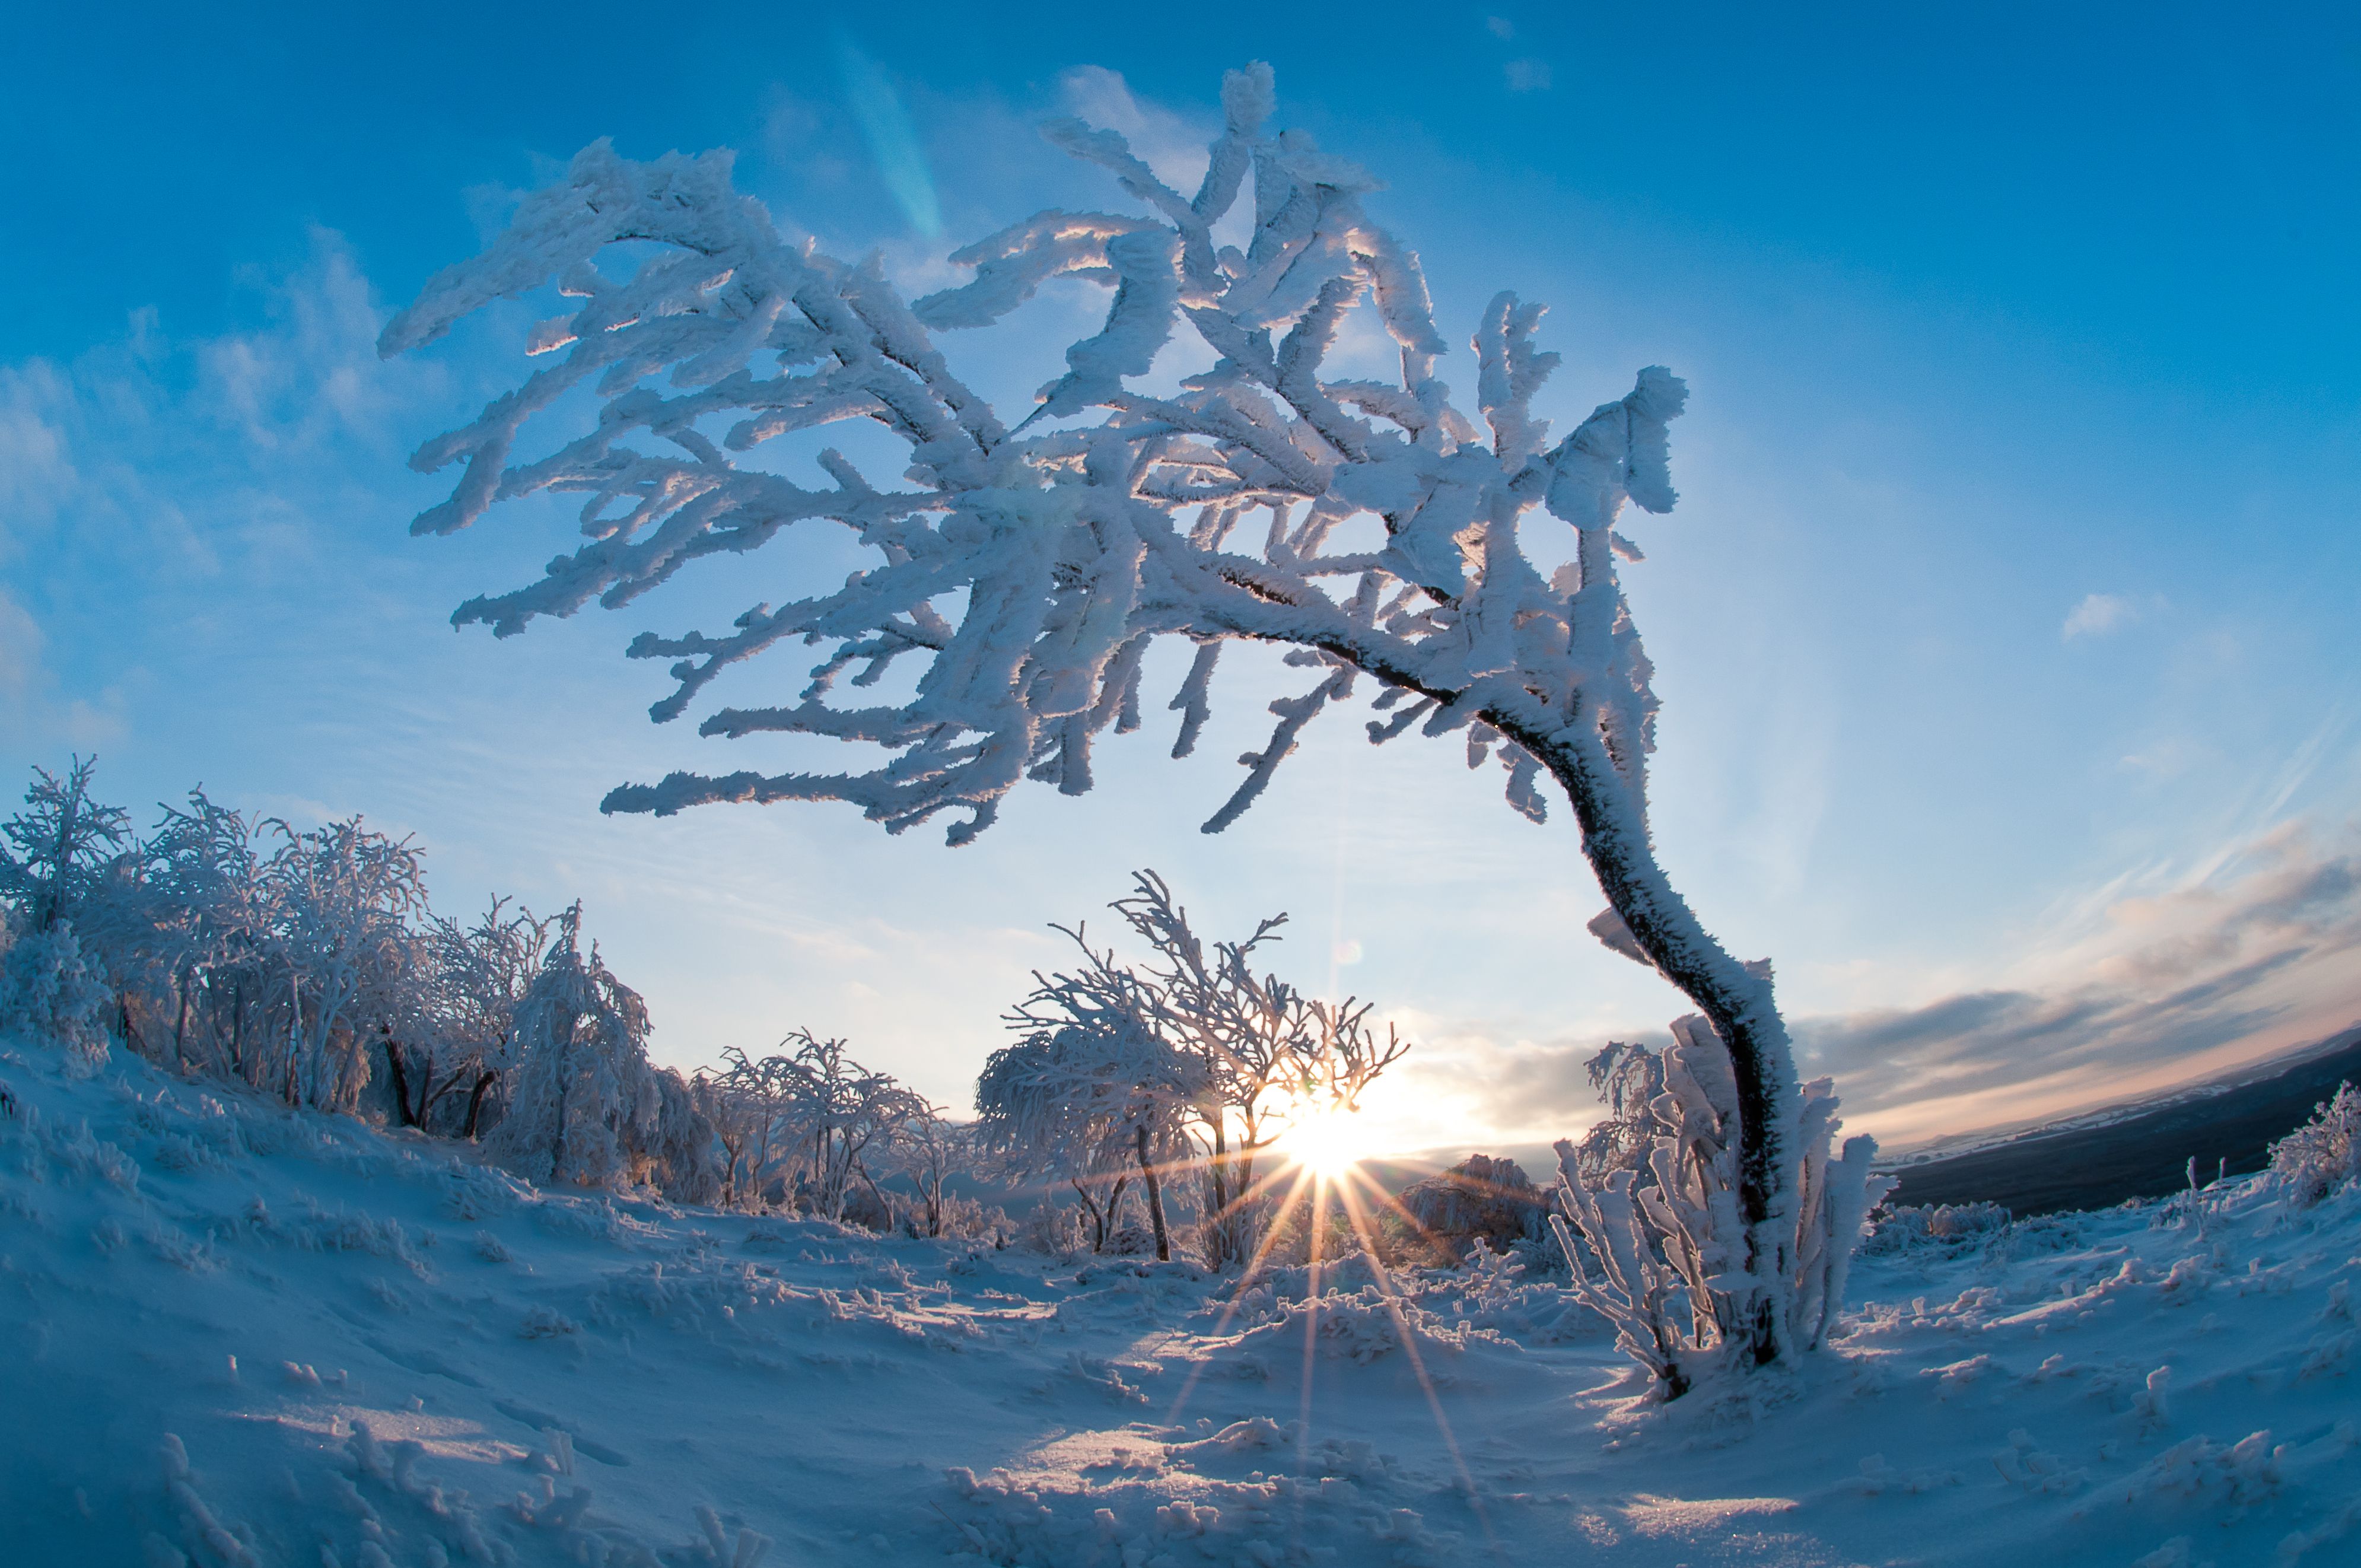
column 1736, row 1001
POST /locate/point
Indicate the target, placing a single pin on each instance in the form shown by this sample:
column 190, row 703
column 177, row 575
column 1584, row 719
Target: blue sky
column 2002, row 628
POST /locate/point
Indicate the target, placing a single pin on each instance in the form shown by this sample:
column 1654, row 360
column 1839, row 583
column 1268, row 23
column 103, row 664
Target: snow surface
column 238, row 1334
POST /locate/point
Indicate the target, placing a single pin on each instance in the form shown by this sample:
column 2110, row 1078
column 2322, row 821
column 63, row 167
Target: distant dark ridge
column 2144, row 1155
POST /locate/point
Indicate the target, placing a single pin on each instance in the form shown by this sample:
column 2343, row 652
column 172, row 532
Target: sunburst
column 1327, row 1142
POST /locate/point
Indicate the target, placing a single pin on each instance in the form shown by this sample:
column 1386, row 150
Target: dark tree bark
column 1154, row 1197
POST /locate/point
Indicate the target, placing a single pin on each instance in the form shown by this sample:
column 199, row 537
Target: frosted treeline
column 310, row 965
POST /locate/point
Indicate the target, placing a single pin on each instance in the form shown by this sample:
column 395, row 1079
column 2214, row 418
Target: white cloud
column 21, row 673
column 1528, row 75
column 1172, row 144
column 2097, row 615
column 2130, row 997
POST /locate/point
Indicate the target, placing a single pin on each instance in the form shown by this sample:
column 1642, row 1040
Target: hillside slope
column 2139, row 1153
column 241, row 1335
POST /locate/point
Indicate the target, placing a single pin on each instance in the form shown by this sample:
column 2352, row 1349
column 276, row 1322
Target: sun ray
column 1418, row 1366
column 1246, row 1278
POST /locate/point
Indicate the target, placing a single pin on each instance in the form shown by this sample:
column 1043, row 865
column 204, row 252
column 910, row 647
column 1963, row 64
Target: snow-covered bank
column 237, row 1334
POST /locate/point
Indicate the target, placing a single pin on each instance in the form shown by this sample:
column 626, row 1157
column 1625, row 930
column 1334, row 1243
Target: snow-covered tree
column 802, row 1123
column 747, row 1102
column 52, row 993
column 838, row 1110
column 1207, row 1050
column 212, row 923
column 585, row 1102
column 1372, row 528
column 347, row 901
column 1093, row 1095
column 1628, row 1077
column 462, row 1034
column 58, row 853
column 928, row 1148
column 1093, row 1104
column 62, row 867
column 679, row 1155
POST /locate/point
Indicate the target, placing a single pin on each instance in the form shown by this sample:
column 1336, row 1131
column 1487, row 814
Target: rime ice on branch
column 1027, row 569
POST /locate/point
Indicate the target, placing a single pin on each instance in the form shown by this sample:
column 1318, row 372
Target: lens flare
column 1328, row 1144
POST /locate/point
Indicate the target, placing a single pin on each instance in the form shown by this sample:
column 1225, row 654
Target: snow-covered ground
column 239, row 1334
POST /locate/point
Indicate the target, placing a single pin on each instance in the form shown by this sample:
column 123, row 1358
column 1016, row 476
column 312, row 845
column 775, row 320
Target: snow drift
column 247, row 1335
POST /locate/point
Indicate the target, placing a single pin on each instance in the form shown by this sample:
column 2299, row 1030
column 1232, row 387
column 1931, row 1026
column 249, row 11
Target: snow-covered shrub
column 957, row 1218
column 799, row 1126
column 2324, row 1152
column 1188, row 1061
column 1668, row 1247
column 1911, row 1225
column 1054, row 1229
column 49, row 991
column 586, row 1101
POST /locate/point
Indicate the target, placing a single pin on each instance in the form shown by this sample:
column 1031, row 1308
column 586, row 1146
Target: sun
column 1327, row 1144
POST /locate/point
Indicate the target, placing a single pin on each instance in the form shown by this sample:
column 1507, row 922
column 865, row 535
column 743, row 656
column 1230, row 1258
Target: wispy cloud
column 2097, row 615
column 2154, row 990
column 1528, row 75
column 1168, row 140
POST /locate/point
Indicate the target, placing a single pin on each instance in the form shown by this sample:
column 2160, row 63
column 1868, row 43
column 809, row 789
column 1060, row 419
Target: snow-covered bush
column 587, row 1106
column 799, row 1127
column 1665, row 1246
column 50, row 991
column 2325, row 1152
column 1055, row 1230
column 1371, row 528
column 1911, row 1226
column 1094, row 1104
column 1189, row 1054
